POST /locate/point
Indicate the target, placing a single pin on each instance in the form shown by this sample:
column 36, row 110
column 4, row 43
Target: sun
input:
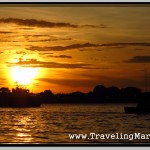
column 23, row 75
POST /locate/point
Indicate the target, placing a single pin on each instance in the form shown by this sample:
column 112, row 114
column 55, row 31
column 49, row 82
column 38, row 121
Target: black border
column 145, row 144
column 75, row 2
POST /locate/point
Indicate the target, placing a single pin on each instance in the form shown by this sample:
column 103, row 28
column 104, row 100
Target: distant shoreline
column 22, row 97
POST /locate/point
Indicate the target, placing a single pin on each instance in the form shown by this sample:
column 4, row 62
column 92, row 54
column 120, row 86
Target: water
column 53, row 123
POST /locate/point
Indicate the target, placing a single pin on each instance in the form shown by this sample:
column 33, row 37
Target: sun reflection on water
column 23, row 133
column 24, row 137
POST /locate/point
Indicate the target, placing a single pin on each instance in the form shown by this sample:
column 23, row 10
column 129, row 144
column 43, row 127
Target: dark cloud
column 67, row 39
column 139, row 59
column 36, row 35
column 95, row 26
column 10, row 41
column 84, row 45
column 45, row 24
column 26, row 28
column 36, row 23
column 43, row 40
column 15, row 41
column 60, row 56
column 62, row 48
column 29, row 39
column 46, row 53
column 36, row 63
column 102, row 26
column 125, row 44
column 45, row 35
column 6, row 32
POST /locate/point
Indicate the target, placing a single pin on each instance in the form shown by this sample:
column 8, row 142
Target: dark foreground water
column 54, row 123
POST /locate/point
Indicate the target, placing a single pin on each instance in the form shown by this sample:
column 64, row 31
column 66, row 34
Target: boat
column 143, row 105
column 130, row 110
column 19, row 98
column 136, row 110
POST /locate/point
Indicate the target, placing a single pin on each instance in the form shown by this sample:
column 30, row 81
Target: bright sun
column 22, row 75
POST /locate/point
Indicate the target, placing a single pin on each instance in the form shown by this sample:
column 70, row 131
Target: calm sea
column 53, row 123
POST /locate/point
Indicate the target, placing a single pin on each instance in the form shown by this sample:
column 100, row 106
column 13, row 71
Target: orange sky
column 68, row 49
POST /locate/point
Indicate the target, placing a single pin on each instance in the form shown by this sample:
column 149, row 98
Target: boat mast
column 146, row 81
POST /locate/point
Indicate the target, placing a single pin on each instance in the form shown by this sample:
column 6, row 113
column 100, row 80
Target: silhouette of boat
column 137, row 110
column 19, row 98
column 21, row 102
column 130, row 110
column 143, row 105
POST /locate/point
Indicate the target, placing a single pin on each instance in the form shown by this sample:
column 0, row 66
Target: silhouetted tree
column 130, row 94
column 22, row 97
column 100, row 93
column 4, row 90
column 48, row 93
column 113, row 94
column 47, row 96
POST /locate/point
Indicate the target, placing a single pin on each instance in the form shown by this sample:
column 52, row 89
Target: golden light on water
column 24, row 137
column 23, row 131
column 22, row 75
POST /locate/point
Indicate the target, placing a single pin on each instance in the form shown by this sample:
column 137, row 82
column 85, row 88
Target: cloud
column 36, row 63
column 95, row 26
column 44, row 40
column 60, row 56
column 84, row 45
column 47, row 40
column 6, row 32
column 36, row 35
column 62, row 48
column 41, row 38
column 47, row 53
column 45, row 24
column 36, row 23
column 126, row 44
column 66, row 39
column 27, row 28
column 139, row 59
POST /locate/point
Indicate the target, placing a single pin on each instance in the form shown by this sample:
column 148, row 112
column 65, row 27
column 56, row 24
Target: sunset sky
column 68, row 49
